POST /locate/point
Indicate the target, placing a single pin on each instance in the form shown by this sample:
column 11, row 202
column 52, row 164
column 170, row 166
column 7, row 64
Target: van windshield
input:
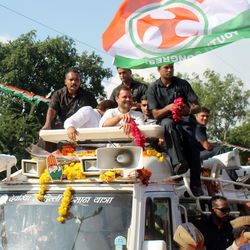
column 95, row 221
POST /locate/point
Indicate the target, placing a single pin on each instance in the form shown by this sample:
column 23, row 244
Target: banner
column 149, row 33
column 25, row 95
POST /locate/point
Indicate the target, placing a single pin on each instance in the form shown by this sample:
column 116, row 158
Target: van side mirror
column 154, row 244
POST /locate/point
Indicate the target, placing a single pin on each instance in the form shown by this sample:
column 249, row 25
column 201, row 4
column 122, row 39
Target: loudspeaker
column 129, row 157
column 33, row 168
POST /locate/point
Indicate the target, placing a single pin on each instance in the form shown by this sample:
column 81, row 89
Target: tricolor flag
column 148, row 33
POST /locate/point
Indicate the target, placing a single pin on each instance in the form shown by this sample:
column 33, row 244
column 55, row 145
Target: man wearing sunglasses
column 216, row 228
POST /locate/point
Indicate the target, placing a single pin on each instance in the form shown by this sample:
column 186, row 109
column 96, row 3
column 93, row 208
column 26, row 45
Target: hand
column 184, row 111
column 72, row 134
column 126, row 128
column 46, row 127
column 126, row 118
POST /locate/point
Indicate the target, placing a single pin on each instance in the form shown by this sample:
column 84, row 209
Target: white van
column 121, row 214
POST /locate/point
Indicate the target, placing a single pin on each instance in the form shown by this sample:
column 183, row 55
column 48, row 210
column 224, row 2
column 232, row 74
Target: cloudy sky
column 85, row 21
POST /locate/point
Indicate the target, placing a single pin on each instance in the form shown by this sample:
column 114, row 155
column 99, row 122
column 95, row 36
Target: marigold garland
column 152, row 152
column 110, row 175
column 73, row 171
column 180, row 105
column 140, row 139
column 65, row 204
column 45, row 177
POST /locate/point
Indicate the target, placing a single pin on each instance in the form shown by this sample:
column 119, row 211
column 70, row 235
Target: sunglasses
column 223, row 209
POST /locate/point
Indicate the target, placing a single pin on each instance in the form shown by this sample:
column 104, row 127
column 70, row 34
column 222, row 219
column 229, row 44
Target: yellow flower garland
column 110, row 175
column 65, row 203
column 152, row 152
column 73, row 171
column 45, row 177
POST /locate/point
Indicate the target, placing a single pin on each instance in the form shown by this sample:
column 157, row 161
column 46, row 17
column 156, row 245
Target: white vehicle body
column 121, row 214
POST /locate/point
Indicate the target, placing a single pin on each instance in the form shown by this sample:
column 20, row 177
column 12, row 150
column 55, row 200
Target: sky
column 85, row 21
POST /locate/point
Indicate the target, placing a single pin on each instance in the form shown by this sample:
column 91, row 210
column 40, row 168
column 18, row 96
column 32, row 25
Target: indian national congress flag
column 149, row 33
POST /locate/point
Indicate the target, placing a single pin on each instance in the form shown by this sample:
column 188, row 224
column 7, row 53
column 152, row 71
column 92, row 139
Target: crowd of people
column 218, row 231
column 186, row 141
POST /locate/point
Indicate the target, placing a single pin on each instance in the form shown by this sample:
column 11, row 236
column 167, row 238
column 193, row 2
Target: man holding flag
column 179, row 134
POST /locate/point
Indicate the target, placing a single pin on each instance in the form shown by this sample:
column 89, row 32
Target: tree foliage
column 240, row 136
column 39, row 67
column 226, row 99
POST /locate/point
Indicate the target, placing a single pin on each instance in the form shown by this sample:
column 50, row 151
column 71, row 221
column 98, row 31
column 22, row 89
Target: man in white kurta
column 86, row 117
column 122, row 115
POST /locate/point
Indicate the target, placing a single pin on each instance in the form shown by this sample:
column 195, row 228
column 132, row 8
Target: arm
column 206, row 145
column 51, row 113
column 110, row 122
column 159, row 113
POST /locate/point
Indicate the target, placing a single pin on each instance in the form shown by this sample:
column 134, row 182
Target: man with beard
column 217, row 229
column 122, row 115
column 66, row 101
column 137, row 89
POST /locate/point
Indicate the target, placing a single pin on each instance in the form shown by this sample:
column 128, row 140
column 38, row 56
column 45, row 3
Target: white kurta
column 85, row 117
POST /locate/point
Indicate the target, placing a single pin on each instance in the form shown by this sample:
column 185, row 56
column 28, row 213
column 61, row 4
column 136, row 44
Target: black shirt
column 159, row 95
column 215, row 238
column 200, row 135
column 138, row 90
column 66, row 105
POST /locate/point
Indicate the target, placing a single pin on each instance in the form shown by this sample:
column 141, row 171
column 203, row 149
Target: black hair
column 214, row 199
column 144, row 98
column 71, row 70
column 120, row 88
column 106, row 104
column 202, row 109
column 238, row 230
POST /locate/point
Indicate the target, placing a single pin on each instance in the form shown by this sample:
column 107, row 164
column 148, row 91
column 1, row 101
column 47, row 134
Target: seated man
column 147, row 114
column 86, row 117
column 137, row 89
column 122, row 115
column 207, row 149
column 179, row 135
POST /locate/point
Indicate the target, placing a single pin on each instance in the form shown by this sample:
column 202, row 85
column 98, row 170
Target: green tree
column 240, row 136
column 39, row 67
column 226, row 99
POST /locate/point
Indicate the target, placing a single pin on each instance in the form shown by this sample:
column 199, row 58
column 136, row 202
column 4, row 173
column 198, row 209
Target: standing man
column 216, row 229
column 179, row 136
column 207, row 149
column 66, row 101
column 137, row 89
column 122, row 115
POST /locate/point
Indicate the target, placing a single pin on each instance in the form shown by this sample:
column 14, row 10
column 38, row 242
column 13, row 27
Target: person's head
column 241, row 230
column 124, row 99
column 72, row 81
column 125, row 74
column 144, row 107
column 105, row 105
column 202, row 116
column 166, row 71
column 219, row 208
column 188, row 237
column 244, row 208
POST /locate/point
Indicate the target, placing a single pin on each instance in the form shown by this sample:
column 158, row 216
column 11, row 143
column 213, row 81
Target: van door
column 162, row 216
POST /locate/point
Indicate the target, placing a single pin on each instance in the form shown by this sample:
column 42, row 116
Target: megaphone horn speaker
column 120, row 157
